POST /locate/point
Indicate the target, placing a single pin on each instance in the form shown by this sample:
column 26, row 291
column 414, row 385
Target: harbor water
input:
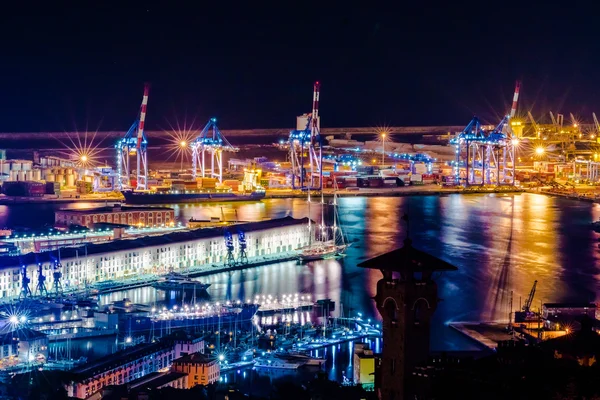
column 500, row 243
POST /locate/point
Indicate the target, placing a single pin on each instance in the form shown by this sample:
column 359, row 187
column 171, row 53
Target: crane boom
column 533, row 123
column 513, row 109
column 553, row 119
column 527, row 305
column 596, row 122
column 573, row 120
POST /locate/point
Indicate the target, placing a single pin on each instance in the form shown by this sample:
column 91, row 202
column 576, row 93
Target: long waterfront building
column 202, row 249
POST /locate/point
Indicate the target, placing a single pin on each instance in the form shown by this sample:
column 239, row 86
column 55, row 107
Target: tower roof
column 407, row 258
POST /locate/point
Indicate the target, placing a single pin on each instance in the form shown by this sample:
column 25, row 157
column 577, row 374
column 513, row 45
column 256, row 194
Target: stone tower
column 406, row 299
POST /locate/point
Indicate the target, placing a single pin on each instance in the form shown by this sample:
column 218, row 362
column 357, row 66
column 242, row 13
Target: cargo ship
column 189, row 196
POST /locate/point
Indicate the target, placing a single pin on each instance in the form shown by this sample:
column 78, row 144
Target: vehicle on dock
column 174, row 281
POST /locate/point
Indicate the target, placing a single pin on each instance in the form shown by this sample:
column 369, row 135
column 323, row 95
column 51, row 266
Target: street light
column 183, row 145
column 539, row 151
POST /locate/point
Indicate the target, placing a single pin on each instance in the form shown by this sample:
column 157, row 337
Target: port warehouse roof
column 112, row 361
column 132, row 354
column 24, row 334
column 147, row 241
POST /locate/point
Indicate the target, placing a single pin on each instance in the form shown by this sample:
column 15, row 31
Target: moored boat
column 179, row 282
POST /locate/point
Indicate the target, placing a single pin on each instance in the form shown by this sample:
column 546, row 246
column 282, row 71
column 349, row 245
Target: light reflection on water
column 500, row 243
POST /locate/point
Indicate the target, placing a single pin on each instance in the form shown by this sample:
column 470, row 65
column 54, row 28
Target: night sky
column 253, row 65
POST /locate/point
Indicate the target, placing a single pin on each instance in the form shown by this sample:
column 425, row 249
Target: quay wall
column 127, row 258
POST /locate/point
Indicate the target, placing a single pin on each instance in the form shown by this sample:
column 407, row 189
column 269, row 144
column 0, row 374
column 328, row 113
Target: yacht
column 179, row 282
column 330, row 242
column 278, row 363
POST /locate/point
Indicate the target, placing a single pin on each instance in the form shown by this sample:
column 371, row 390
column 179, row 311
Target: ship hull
column 133, row 197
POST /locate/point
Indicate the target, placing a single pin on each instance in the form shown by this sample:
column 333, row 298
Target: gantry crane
column 210, row 140
column 487, row 157
column 134, row 143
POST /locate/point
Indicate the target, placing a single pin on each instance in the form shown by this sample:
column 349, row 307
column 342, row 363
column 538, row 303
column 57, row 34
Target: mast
column 141, row 158
column 335, row 227
column 323, row 231
column 309, row 221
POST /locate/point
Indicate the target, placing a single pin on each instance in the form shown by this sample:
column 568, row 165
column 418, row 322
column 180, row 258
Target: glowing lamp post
column 182, row 145
column 539, row 151
column 382, row 149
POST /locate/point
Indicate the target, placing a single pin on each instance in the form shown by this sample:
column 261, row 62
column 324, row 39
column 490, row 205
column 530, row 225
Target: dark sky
column 252, row 63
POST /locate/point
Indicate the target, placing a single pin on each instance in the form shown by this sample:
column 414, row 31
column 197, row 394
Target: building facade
column 132, row 364
column 117, row 214
column 364, row 365
column 25, row 345
column 200, row 369
column 202, row 248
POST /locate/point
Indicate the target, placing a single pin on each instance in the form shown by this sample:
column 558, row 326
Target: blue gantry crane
column 209, row 143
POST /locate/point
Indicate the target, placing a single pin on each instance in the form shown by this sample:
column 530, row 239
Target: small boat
column 127, row 306
column 307, row 359
column 179, row 282
column 73, row 301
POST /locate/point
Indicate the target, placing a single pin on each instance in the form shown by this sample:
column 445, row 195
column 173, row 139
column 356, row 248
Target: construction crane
column 210, row 140
column 529, row 301
column 134, row 143
column 310, row 140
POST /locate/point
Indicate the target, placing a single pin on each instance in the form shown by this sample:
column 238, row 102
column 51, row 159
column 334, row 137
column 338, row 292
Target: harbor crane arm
column 534, row 124
column 527, row 305
column 596, row 124
column 553, row 119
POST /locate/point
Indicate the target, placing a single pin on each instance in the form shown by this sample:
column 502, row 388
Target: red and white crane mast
column 134, row 143
column 315, row 139
column 142, row 159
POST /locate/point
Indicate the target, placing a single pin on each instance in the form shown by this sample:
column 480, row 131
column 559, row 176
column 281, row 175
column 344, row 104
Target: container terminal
column 518, row 151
